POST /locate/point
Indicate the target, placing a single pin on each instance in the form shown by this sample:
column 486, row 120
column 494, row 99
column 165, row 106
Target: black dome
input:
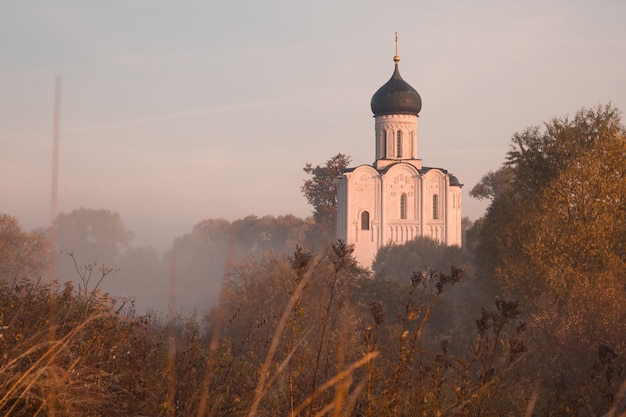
column 454, row 181
column 396, row 97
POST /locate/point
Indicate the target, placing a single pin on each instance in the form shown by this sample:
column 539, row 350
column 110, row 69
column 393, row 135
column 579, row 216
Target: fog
column 210, row 111
column 95, row 252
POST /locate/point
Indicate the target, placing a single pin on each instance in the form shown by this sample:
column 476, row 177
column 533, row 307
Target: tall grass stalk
column 336, row 379
column 264, row 371
column 35, row 381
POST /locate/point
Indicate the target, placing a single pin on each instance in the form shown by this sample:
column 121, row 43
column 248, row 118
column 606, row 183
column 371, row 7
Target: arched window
column 365, row 220
column 399, row 144
column 435, row 206
column 403, row 206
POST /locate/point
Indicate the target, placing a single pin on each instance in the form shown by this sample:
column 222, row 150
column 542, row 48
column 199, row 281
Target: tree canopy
column 554, row 236
column 93, row 234
column 321, row 192
column 395, row 261
column 493, row 184
column 557, row 212
column 22, row 254
column 203, row 256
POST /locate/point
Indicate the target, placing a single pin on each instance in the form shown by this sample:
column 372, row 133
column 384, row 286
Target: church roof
column 396, row 96
column 454, row 181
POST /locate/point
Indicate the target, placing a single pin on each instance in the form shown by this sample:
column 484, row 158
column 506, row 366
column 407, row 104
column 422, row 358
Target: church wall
column 401, row 220
column 360, row 189
column 434, row 204
column 454, row 231
column 391, row 220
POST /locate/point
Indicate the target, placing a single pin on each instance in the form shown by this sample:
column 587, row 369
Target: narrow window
column 435, row 206
column 403, row 206
column 365, row 220
column 383, row 144
column 399, row 144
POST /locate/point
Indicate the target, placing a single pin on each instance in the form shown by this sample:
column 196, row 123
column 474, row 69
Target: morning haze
column 173, row 115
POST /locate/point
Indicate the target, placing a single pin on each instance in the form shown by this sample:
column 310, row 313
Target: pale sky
column 174, row 112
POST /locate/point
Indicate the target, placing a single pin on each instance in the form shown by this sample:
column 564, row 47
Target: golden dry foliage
column 564, row 217
column 94, row 365
column 556, row 240
column 22, row 254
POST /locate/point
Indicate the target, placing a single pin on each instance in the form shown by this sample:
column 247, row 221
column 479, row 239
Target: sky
column 174, row 112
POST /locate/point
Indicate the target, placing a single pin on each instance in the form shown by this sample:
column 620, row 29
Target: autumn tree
column 560, row 205
column 22, row 254
column 321, row 192
column 494, row 184
column 555, row 236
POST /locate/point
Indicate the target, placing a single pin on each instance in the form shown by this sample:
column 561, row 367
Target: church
column 396, row 199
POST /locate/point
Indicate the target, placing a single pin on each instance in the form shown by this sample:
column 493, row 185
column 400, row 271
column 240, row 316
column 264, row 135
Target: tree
column 565, row 207
column 493, row 184
column 395, row 261
column 203, row 256
column 93, row 239
column 22, row 254
column 556, row 239
column 258, row 235
column 321, row 192
column 93, row 235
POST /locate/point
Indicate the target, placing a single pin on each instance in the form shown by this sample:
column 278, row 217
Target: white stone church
column 397, row 198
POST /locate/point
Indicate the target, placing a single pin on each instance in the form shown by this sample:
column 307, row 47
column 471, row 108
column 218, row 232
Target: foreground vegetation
column 298, row 335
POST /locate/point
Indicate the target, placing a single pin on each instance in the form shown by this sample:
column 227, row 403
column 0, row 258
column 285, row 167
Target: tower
column 396, row 199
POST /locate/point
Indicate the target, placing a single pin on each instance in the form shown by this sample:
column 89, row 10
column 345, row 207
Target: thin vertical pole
column 53, row 228
column 55, row 182
column 171, row 342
